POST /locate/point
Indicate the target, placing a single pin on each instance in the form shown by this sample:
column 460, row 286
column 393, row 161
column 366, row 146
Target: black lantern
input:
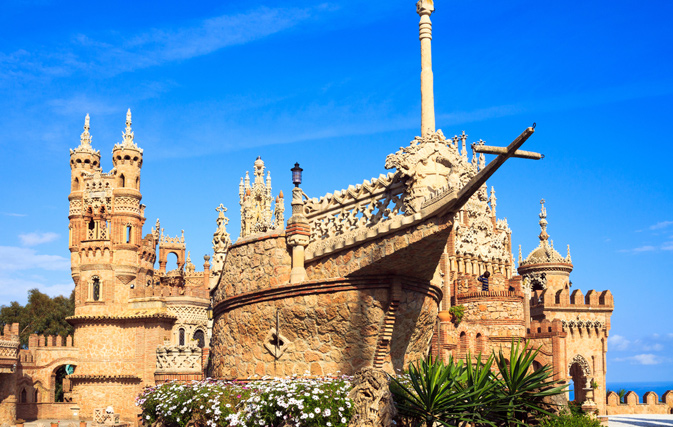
column 296, row 174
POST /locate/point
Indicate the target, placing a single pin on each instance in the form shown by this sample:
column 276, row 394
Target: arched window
column 181, row 337
column 481, row 344
column 75, row 184
column 122, row 180
column 24, row 396
column 463, row 342
column 37, row 396
column 200, row 338
column 95, row 289
column 138, row 183
column 128, row 233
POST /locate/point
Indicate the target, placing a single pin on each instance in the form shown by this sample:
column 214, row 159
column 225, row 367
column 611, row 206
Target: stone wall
column 325, row 327
column 99, row 392
column 36, row 411
column 651, row 403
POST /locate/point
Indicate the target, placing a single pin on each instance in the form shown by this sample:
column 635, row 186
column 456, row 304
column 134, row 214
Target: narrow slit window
column 96, row 289
column 128, row 234
column 181, row 337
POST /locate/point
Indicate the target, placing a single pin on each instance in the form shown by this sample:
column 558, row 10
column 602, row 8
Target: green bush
column 457, row 393
column 569, row 420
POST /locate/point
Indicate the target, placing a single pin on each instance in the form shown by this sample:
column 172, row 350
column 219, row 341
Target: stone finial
column 425, row 7
column 85, row 137
column 568, row 259
column 520, row 256
column 156, row 230
column 492, row 200
column 127, row 135
column 543, row 223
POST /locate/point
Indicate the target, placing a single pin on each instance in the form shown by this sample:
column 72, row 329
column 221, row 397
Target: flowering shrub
column 293, row 401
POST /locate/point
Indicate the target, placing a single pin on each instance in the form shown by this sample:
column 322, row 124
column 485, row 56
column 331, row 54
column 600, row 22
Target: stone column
column 298, row 233
column 424, row 8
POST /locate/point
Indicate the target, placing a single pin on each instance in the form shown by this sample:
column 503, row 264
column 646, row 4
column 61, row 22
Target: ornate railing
column 181, row 359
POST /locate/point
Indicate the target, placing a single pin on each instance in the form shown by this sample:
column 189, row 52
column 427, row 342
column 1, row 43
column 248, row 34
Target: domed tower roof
column 545, row 258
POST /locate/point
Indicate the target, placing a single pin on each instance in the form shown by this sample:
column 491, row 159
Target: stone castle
column 370, row 276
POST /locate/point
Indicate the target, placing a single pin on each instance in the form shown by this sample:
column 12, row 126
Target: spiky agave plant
column 448, row 394
column 521, row 389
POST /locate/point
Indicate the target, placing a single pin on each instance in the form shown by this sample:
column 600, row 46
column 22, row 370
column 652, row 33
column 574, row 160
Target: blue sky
column 335, row 86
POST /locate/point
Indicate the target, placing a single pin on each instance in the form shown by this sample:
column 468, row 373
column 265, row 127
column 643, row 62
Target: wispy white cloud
column 661, row 225
column 16, row 289
column 33, row 239
column 156, row 46
column 618, row 342
column 644, row 359
column 16, row 259
column 640, row 249
column 12, row 214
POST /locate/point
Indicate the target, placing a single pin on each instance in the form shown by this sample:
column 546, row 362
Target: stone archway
column 580, row 372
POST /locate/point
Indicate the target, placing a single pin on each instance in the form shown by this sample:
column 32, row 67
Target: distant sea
column 659, row 387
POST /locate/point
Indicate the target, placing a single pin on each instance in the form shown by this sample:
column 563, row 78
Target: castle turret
column 544, row 267
column 106, row 220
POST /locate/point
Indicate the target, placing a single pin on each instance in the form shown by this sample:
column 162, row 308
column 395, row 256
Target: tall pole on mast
column 424, row 8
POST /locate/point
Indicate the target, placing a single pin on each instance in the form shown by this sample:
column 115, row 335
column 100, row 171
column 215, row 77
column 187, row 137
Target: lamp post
column 298, row 230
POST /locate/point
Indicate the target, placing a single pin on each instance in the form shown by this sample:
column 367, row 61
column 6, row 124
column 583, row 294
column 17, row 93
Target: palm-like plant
column 521, row 389
column 437, row 393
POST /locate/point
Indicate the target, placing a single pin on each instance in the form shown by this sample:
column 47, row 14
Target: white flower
column 343, row 420
column 311, row 415
column 317, row 410
column 326, row 412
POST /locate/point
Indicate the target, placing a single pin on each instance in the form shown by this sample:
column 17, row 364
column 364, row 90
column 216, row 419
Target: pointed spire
column 189, row 258
column 463, row 153
column 520, row 255
column 543, row 224
column 568, row 259
column 492, row 200
column 85, row 137
column 127, row 135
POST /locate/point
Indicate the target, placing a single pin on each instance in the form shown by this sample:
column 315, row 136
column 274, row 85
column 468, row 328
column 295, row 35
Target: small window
column 92, row 225
column 24, row 396
column 200, row 338
column 181, row 337
column 96, row 289
column 122, row 180
column 37, row 396
column 128, row 234
column 75, row 184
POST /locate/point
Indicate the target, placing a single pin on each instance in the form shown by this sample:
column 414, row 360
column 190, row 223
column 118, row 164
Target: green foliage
column 433, row 392
column 42, row 315
column 457, row 311
column 622, row 395
column 458, row 393
column 575, row 408
column 569, row 420
column 522, row 389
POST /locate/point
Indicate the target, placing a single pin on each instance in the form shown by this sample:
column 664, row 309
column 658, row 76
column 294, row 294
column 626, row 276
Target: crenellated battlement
column 37, row 341
column 651, row 403
column 548, row 299
column 544, row 329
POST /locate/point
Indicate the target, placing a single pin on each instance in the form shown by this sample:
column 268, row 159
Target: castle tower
column 106, row 220
column 545, row 268
column 580, row 323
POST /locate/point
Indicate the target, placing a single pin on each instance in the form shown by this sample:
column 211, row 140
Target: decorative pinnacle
column 520, row 256
column 543, row 224
column 425, row 7
column 492, row 200
column 85, row 137
column 127, row 135
column 568, row 257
